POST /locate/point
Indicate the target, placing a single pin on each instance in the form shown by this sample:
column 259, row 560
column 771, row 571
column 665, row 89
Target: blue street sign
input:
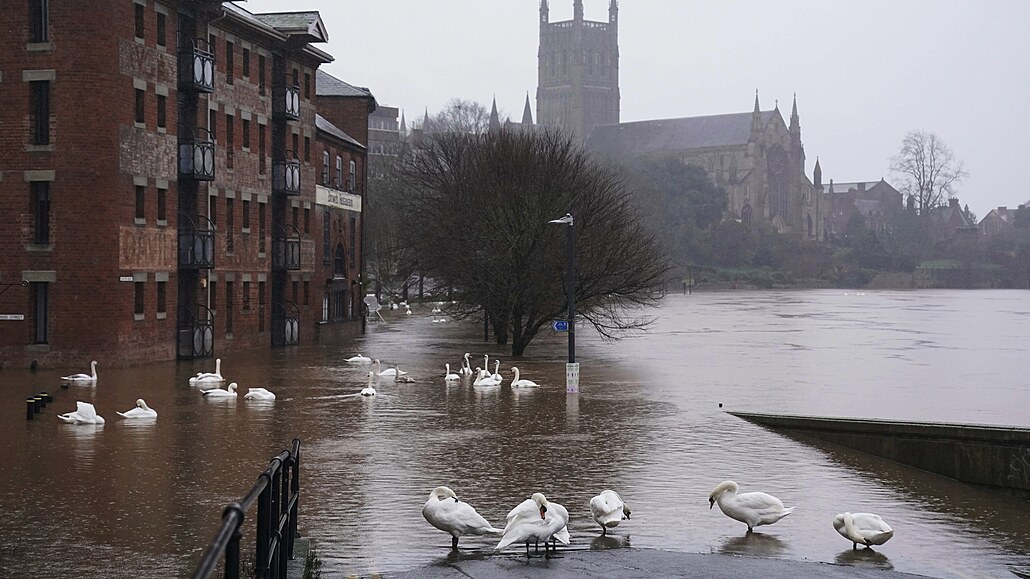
column 560, row 326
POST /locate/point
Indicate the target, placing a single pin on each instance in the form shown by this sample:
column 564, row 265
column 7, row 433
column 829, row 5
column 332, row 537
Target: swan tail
column 562, row 536
column 122, row 414
column 505, row 541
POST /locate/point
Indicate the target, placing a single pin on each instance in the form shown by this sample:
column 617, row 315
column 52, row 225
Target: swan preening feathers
column 752, row 509
column 608, row 510
column 84, row 413
column 863, row 529
column 140, row 411
column 359, row 359
column 221, row 393
column 538, row 520
column 258, row 394
column 444, row 511
column 91, row 377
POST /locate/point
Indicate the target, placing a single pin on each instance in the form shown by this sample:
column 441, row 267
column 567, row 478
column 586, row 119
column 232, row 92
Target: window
column 261, row 227
column 228, row 307
column 296, row 146
column 162, row 297
column 261, row 306
column 229, row 138
column 40, row 191
column 246, row 296
column 339, row 172
column 138, row 300
column 140, row 100
column 325, row 167
column 295, row 284
column 353, row 238
column 161, row 29
column 326, row 230
column 295, row 78
column 39, row 26
column 307, row 287
column 246, row 216
column 212, row 124
column 353, row 176
column 228, row 62
column 212, row 210
column 139, row 21
column 338, row 300
column 230, row 238
column 325, row 308
column 246, row 63
column 246, row 134
column 307, row 220
column 162, row 205
column 261, row 74
column 296, row 220
column 307, row 85
column 339, row 263
column 162, row 112
column 40, row 111
column 212, row 288
column 307, row 149
column 262, row 168
column 40, row 307
column 141, row 199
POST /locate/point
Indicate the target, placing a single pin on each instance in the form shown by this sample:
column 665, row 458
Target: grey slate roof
column 328, row 85
column 323, row 125
column 295, row 23
column 643, row 137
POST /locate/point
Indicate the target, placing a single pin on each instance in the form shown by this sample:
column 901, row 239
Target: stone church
column 755, row 156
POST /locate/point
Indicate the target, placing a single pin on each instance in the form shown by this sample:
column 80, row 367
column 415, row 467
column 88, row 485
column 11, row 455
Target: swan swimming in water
column 359, row 359
column 497, row 369
column 863, row 528
column 220, row 393
column 389, row 372
column 209, row 377
column 444, row 511
column 466, row 366
column 523, row 383
column 535, row 519
column 140, row 411
column 258, row 394
column 608, row 510
column 85, row 413
column 91, row 377
column 449, row 377
column 752, row 509
column 369, row 390
column 485, row 379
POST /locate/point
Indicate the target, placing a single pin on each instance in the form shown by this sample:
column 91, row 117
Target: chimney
column 1002, row 208
column 861, row 187
column 953, row 202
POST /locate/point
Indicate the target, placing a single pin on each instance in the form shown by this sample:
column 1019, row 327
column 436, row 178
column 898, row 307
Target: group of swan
column 230, row 392
column 91, row 377
column 86, row 413
column 534, row 520
column 755, row 508
column 209, row 377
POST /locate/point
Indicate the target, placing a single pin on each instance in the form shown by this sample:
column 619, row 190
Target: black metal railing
column 286, row 101
column 196, row 333
column 277, row 492
column 196, row 66
column 196, row 242
column 285, row 325
column 196, row 154
column 286, row 248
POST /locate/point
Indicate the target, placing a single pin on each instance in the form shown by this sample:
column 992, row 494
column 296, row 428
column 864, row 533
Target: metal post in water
column 36, row 402
column 29, row 412
column 44, row 398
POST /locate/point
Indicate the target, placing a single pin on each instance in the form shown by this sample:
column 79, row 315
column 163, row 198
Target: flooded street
column 144, row 499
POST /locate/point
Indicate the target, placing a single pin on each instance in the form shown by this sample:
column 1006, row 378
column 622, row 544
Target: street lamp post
column 572, row 367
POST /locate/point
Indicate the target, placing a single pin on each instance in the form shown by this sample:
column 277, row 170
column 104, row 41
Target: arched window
column 326, row 233
column 339, row 262
column 353, row 176
column 811, row 231
column 325, row 167
column 745, row 215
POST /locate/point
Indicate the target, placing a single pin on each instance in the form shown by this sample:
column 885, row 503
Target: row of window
column 139, row 300
column 141, row 109
column 161, row 205
column 229, row 66
column 337, row 257
column 352, row 173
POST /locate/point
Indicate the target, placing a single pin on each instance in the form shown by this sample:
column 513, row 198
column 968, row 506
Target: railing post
column 295, row 493
column 282, row 550
column 264, row 524
column 274, row 511
column 232, row 550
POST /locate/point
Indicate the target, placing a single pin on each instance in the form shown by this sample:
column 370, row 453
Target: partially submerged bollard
column 29, row 410
column 44, row 398
column 37, row 404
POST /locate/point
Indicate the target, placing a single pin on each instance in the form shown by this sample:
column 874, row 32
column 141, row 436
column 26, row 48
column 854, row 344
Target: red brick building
column 158, row 169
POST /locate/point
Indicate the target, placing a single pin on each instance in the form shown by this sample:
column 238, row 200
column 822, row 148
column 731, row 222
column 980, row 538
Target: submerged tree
column 927, row 170
column 477, row 215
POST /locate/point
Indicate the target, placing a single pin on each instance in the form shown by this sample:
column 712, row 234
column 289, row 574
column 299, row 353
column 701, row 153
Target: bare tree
column 460, row 116
column 927, row 170
column 479, row 207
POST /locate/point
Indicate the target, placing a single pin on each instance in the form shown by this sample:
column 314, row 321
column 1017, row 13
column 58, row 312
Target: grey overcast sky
column 865, row 71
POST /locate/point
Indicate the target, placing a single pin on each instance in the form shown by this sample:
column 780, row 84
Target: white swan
column 444, row 511
column 523, row 383
column 221, row 393
column 450, row 377
column 863, row 528
column 407, row 310
column 140, row 411
column 497, row 372
column 359, row 359
column 258, row 394
column 369, row 390
column 752, row 509
column 91, row 377
column 484, row 379
column 389, row 372
column 608, row 510
column 209, row 377
column 466, row 366
column 404, row 378
column 535, row 519
column 84, row 413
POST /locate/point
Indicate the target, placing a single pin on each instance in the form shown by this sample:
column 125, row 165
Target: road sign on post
column 560, row 326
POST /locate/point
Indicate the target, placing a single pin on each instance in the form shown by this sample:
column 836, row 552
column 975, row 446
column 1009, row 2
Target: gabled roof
column 643, row 137
column 307, row 24
column 328, row 85
column 325, row 126
column 266, row 25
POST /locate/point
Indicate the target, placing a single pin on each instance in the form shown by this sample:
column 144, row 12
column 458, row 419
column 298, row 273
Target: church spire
column 404, row 125
column 577, row 10
column 495, row 119
column 795, row 122
column 756, row 116
column 527, row 112
column 818, row 175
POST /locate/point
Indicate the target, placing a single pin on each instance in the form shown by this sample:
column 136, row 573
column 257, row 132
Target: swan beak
column 711, row 503
column 542, row 511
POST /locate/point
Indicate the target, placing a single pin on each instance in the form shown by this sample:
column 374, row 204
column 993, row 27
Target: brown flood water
column 143, row 499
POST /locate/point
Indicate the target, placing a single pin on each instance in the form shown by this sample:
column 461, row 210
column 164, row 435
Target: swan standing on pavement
column 209, row 377
column 444, row 511
column 369, row 390
column 608, row 510
column 863, row 528
column 449, row 377
column 84, row 413
column 91, row 377
column 523, row 383
column 535, row 519
column 221, row 393
column 258, row 394
column 752, row 509
column 140, row 411
column 359, row 359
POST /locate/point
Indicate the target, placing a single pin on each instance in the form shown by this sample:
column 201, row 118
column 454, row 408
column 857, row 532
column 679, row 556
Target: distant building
column 997, row 221
column 951, row 219
column 386, row 137
column 877, row 202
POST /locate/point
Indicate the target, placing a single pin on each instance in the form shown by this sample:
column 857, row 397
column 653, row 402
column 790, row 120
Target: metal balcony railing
column 196, row 242
column 196, row 66
column 196, row 154
column 286, row 248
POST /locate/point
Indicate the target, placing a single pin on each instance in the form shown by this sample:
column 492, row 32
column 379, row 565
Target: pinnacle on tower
column 757, row 110
column 613, row 11
column 795, row 122
column 577, row 10
column 545, row 12
column 404, row 125
column 817, row 175
column 495, row 120
column 527, row 112
column 756, row 116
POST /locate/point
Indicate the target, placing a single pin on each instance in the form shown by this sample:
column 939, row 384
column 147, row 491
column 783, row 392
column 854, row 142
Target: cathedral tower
column 578, row 71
